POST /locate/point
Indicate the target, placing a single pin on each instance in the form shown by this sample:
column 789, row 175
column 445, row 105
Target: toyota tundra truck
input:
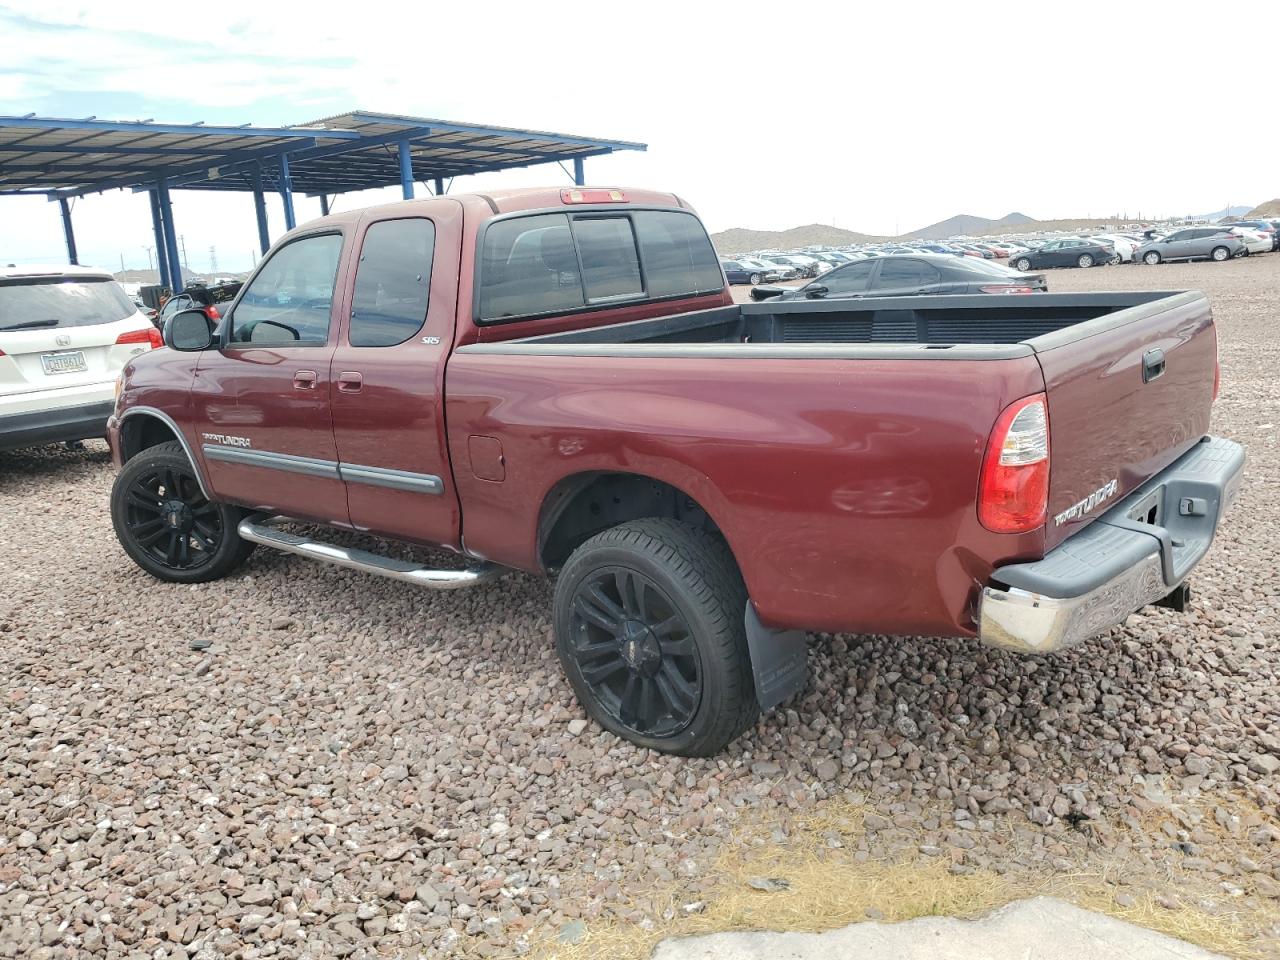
column 558, row 382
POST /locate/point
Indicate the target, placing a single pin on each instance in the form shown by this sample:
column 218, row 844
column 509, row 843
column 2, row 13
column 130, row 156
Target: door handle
column 350, row 382
column 304, row 380
column 1152, row 365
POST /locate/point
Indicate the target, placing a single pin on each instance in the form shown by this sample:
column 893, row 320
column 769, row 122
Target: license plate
column 70, row 362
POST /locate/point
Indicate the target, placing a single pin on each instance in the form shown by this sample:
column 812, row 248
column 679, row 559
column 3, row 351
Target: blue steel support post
column 286, row 193
column 439, row 186
column 174, row 280
column 157, row 224
column 579, row 177
column 406, row 169
column 260, row 210
column 68, row 232
column 324, row 205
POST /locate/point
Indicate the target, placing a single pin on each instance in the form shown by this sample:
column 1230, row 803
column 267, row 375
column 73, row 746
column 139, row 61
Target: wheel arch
column 144, row 427
column 581, row 505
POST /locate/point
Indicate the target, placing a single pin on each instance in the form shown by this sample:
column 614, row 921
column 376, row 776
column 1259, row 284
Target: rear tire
column 1220, row 254
column 649, row 622
column 167, row 526
column 1023, row 264
column 1085, row 261
column 1151, row 258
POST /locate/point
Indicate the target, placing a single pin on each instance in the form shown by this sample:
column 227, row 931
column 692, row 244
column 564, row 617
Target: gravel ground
column 357, row 767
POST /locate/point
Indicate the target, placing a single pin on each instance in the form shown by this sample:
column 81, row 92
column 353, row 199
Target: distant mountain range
column 966, row 224
column 739, row 240
column 1221, row 214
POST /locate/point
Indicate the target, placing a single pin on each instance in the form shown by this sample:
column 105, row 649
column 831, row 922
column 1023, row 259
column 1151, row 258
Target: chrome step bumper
column 1120, row 562
column 260, row 530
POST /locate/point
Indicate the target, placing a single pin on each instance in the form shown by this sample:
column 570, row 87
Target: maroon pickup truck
column 557, row 381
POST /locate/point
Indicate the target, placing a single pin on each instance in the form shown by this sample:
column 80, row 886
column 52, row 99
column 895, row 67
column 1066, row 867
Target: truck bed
column 838, row 444
column 972, row 327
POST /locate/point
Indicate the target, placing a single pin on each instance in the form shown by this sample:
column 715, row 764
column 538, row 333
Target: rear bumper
column 1119, row 563
column 81, row 422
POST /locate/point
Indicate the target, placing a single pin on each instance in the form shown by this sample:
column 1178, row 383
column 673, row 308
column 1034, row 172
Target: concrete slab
column 1042, row 928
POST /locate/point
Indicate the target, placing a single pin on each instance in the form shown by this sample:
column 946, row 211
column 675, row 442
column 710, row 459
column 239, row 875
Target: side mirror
column 766, row 293
column 189, row 331
column 815, row 292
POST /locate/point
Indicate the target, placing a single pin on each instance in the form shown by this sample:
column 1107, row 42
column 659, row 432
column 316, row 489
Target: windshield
column 46, row 302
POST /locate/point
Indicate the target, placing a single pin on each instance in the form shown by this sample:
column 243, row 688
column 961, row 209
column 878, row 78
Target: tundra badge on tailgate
column 1101, row 495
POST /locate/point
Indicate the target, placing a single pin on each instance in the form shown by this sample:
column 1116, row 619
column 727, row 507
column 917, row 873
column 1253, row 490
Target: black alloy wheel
column 649, row 626
column 636, row 652
column 167, row 516
column 167, row 525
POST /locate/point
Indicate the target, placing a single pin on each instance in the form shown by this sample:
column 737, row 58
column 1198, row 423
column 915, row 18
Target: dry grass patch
column 824, row 885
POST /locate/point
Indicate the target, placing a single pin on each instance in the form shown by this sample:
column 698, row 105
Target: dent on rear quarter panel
column 1105, row 423
column 846, row 488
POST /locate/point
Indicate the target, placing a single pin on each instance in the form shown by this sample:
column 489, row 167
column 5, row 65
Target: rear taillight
column 150, row 336
column 1013, row 493
column 1007, row 288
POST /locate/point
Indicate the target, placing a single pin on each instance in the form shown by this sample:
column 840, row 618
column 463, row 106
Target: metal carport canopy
column 67, row 158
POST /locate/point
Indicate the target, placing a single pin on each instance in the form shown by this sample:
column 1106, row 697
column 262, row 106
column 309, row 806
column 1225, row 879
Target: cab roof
column 510, row 201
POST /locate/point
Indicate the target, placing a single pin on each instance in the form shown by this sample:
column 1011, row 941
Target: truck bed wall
column 846, row 490
column 894, row 320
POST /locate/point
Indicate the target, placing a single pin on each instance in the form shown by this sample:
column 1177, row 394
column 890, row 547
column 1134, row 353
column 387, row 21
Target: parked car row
column 921, row 274
column 1217, row 242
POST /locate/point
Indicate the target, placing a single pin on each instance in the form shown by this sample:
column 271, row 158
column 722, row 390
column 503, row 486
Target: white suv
column 65, row 335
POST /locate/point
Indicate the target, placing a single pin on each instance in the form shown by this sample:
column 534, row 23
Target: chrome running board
column 259, row 530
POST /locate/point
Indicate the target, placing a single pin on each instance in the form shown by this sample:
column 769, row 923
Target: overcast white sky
column 880, row 117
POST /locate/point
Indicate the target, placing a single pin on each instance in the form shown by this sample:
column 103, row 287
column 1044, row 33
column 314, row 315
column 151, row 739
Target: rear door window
column 905, row 272
column 38, row 303
column 289, row 301
column 393, row 281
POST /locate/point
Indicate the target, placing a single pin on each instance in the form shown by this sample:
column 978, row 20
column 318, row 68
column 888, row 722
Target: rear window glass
column 549, row 263
column 392, row 282
column 989, row 267
column 529, row 266
column 678, row 256
column 45, row 303
column 610, row 264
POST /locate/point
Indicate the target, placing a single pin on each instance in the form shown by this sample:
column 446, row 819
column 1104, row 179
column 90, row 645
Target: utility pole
column 150, row 265
column 185, row 264
column 213, row 259
column 254, row 254
column 122, row 261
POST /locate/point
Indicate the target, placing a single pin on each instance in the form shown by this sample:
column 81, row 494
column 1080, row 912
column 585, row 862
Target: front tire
column 1085, row 261
column 1023, row 264
column 1220, row 254
column 755, row 279
column 166, row 524
column 649, row 622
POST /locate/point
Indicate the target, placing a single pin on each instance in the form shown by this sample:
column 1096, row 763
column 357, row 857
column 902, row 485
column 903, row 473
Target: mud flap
column 779, row 661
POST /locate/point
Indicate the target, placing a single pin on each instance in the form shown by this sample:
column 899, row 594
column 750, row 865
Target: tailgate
column 1128, row 394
